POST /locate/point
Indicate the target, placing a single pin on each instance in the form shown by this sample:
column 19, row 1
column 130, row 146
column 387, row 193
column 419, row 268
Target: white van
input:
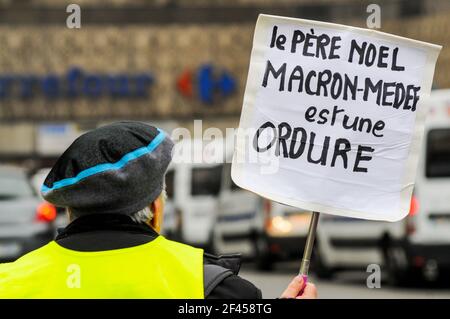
column 192, row 184
column 257, row 227
column 417, row 245
column 238, row 219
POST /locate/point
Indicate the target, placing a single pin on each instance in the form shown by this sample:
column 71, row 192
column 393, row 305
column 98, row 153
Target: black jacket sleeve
column 233, row 286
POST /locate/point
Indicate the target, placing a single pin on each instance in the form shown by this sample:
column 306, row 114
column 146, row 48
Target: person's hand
column 293, row 290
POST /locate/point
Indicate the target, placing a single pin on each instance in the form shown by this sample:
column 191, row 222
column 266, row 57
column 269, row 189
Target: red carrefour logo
column 206, row 84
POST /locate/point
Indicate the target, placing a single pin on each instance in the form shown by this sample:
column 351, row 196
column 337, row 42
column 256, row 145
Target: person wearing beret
column 111, row 181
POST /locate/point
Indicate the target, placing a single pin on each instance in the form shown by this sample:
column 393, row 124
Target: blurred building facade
column 168, row 61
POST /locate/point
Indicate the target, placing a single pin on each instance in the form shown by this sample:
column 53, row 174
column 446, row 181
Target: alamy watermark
column 214, row 146
column 73, row 279
column 73, row 20
column 373, row 20
column 374, row 279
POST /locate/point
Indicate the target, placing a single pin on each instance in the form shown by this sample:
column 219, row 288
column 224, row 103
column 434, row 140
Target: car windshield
column 12, row 186
column 206, row 180
column 438, row 153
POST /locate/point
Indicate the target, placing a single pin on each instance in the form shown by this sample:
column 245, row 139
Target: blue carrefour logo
column 207, row 84
column 75, row 82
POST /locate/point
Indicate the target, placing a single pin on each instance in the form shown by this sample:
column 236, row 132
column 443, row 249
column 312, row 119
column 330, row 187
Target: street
column 346, row 285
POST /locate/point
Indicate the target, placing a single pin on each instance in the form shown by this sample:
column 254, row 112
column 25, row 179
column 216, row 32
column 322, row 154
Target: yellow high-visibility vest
column 158, row 269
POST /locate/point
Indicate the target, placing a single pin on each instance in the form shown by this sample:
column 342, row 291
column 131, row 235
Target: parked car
column 37, row 180
column 26, row 221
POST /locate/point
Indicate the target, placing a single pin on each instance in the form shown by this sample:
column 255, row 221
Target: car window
column 438, row 153
column 14, row 187
column 206, row 180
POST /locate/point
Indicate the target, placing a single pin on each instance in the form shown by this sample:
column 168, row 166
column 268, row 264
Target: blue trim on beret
column 100, row 168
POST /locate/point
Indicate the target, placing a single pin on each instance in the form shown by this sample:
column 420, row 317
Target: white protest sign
column 338, row 113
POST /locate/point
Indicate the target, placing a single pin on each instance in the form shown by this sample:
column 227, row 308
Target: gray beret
column 118, row 169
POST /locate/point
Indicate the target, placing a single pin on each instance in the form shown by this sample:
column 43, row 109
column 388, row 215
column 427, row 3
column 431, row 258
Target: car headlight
column 279, row 224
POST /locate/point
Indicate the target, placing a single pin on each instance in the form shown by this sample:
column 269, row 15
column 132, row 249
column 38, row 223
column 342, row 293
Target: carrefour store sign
column 76, row 82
